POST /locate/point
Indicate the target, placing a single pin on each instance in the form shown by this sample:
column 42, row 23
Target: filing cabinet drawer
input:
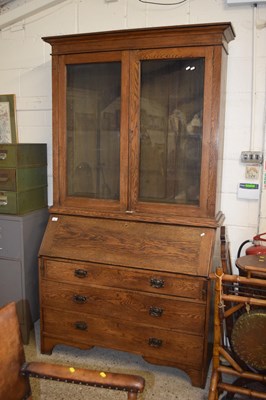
column 8, row 179
column 22, row 155
column 23, row 202
column 21, row 179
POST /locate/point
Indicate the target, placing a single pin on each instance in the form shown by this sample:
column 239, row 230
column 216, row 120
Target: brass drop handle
column 154, row 342
column 155, row 311
column 157, row 283
column 81, row 273
column 81, row 325
column 77, row 298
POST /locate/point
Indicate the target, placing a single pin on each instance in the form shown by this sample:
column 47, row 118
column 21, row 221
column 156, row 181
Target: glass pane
column 171, row 130
column 93, row 130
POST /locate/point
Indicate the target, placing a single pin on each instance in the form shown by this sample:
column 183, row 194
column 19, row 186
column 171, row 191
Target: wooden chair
column 239, row 351
column 15, row 371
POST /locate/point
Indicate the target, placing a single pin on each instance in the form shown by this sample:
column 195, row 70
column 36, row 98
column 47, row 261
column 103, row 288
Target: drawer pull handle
column 157, row 283
column 3, row 200
column 156, row 311
column 81, row 325
column 77, row 298
column 80, row 273
column 154, row 342
column 3, row 178
column 3, row 156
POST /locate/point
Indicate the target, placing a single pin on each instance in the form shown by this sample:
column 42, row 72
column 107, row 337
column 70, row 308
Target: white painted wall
column 25, row 69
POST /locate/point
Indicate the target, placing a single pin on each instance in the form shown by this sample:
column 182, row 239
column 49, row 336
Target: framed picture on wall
column 8, row 124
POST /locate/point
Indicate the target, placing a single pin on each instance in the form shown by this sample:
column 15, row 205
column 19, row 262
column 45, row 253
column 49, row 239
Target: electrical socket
column 252, row 172
column 252, row 157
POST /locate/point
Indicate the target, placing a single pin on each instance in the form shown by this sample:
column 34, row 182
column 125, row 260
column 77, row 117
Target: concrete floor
column 162, row 383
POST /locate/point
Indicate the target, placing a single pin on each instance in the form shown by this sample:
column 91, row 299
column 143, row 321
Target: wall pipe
column 253, row 88
column 26, row 10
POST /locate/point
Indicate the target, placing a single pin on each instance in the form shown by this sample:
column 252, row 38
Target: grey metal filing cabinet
column 20, row 239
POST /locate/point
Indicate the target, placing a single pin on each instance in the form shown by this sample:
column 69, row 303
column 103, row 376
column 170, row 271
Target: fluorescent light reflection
column 190, row 68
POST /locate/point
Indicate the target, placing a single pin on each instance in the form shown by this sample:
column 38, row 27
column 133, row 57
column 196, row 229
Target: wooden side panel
column 160, row 247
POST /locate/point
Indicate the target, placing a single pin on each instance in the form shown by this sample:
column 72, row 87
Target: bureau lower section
column 134, row 286
column 161, row 316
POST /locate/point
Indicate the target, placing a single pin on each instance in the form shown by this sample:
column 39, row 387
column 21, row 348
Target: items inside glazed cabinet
column 169, row 112
column 137, row 150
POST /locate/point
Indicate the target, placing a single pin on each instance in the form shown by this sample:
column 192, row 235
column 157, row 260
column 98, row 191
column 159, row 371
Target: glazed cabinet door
column 92, row 134
column 137, row 131
column 171, row 106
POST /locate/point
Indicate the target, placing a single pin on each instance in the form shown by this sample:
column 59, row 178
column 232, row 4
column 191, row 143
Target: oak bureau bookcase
column 137, row 157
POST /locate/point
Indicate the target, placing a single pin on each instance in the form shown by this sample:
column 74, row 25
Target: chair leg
column 213, row 392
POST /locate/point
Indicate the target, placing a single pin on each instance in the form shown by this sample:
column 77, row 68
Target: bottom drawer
column 156, row 343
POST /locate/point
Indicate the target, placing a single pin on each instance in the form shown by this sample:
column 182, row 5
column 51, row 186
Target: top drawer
column 22, row 155
column 125, row 278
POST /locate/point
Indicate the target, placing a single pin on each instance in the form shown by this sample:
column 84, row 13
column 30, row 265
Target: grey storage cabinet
column 20, row 239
